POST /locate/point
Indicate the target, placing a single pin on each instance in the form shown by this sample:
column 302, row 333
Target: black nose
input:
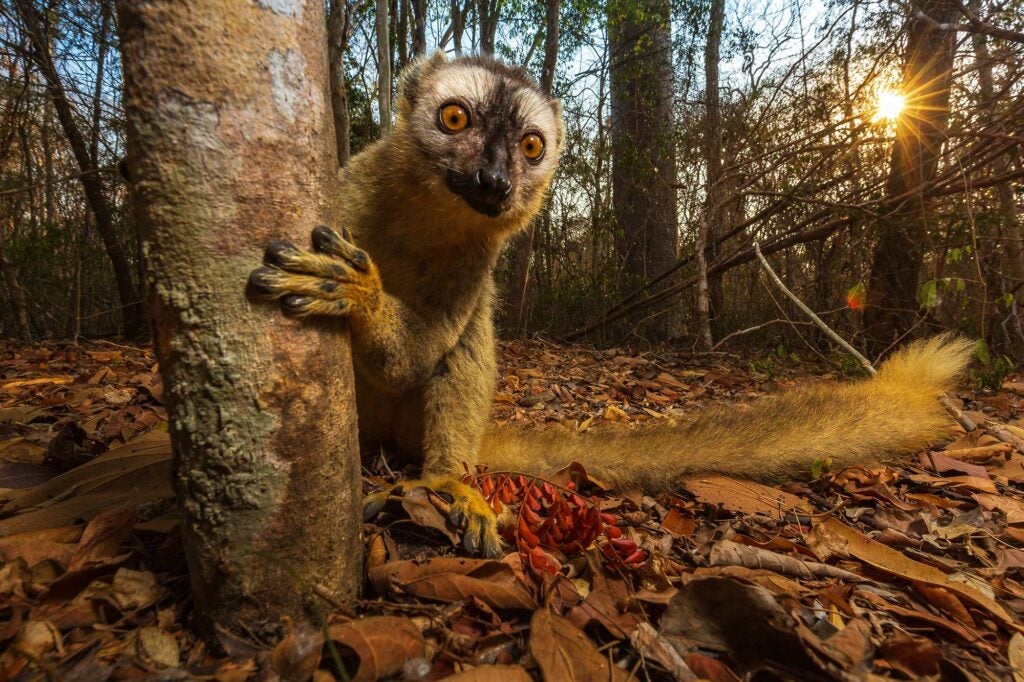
column 493, row 182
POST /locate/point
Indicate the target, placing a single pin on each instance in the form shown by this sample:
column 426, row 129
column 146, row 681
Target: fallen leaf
column 565, row 654
column 158, row 647
column 492, row 673
column 377, row 647
column 455, row 579
column 891, row 561
column 297, row 655
column 745, row 497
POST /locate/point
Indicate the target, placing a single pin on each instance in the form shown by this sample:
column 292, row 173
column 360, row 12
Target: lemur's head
column 487, row 133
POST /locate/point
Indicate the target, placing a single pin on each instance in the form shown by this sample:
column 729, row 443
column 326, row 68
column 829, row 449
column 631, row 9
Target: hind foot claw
column 469, row 512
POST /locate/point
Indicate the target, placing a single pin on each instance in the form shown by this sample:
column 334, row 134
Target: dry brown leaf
column 297, row 655
column 1015, row 652
column 103, row 537
column 1011, row 507
column 652, row 646
column 744, row 497
column 913, row 656
column 135, row 589
column 492, row 673
column 727, row 553
column 565, row 654
column 455, row 579
column 891, row 561
column 158, row 647
column 421, row 504
column 380, row 645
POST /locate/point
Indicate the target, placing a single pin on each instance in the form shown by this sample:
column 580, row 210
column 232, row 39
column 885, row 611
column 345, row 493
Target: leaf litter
column 901, row 571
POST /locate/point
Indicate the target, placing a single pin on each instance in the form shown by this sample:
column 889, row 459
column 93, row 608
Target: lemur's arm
column 391, row 341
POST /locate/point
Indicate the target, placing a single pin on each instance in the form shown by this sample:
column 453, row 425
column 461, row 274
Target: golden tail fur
column 896, row 411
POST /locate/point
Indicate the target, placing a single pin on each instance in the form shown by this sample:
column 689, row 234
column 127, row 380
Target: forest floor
column 907, row 570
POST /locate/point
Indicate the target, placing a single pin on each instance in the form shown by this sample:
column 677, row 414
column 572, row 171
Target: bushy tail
column 773, row 439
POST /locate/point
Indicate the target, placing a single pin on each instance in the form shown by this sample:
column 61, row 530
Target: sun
column 890, row 105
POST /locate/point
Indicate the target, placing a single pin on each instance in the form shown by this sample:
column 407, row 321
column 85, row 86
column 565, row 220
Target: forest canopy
column 872, row 149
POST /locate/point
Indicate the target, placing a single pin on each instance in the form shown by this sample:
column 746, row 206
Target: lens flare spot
column 889, row 106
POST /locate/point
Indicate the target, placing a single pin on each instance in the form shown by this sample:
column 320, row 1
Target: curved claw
column 469, row 512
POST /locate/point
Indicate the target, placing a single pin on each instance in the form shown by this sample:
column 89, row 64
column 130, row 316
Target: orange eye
column 532, row 146
column 453, row 118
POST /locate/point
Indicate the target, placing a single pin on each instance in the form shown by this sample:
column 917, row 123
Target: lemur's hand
column 469, row 512
column 336, row 278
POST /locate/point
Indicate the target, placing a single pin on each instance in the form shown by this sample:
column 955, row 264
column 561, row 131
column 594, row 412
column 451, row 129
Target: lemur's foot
column 470, row 512
column 336, row 278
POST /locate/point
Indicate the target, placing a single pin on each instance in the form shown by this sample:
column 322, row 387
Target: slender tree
column 711, row 224
column 230, row 146
column 383, row 66
column 338, row 31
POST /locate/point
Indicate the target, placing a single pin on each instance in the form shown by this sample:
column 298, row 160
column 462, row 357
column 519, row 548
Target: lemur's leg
column 393, row 344
column 457, row 405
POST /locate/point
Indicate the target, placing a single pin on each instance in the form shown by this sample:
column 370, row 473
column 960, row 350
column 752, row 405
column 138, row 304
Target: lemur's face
column 491, row 136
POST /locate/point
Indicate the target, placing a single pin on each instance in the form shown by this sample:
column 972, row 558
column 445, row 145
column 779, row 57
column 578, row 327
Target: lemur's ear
column 412, row 78
column 556, row 107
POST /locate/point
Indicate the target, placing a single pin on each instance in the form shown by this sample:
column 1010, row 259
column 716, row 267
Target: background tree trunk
column 458, row 26
column 522, row 246
column 643, row 148
column 383, row 67
column 92, row 181
column 419, row 28
column 488, row 12
column 230, row 147
column 711, row 225
column 892, row 308
column 337, row 46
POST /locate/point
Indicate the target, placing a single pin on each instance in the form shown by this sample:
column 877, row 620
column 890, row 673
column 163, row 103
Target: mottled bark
column 643, row 148
column 522, row 247
column 337, row 46
column 230, row 146
column 892, row 309
column 91, row 179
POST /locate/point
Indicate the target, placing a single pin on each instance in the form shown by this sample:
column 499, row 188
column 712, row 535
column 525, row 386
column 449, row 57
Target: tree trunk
column 523, row 244
column 458, row 26
column 419, row 28
column 643, row 148
column 97, row 94
column 711, row 225
column 92, row 183
column 892, row 305
column 383, row 67
column 230, row 147
column 337, row 48
column 402, row 32
column 487, row 14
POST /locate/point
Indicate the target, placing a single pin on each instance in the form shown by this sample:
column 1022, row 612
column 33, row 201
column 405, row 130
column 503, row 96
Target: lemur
column 427, row 210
